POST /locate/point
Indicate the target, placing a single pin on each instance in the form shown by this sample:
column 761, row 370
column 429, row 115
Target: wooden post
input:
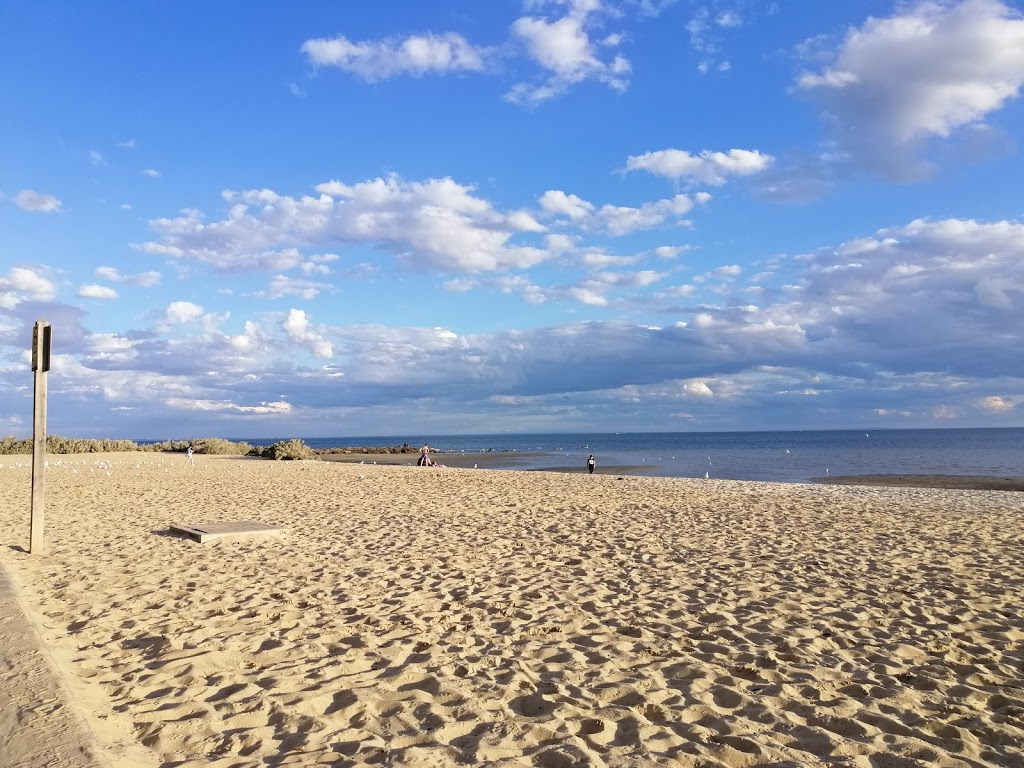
column 40, row 366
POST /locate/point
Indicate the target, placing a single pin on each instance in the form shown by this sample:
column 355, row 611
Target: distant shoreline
column 508, row 460
column 956, row 482
column 407, row 455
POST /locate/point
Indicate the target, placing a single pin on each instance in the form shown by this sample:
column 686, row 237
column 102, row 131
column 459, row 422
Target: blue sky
column 397, row 217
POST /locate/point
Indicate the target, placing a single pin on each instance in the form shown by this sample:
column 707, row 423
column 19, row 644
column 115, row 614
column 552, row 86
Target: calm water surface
column 774, row 456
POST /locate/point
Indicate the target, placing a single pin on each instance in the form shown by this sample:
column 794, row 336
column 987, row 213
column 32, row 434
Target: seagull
column 787, row 450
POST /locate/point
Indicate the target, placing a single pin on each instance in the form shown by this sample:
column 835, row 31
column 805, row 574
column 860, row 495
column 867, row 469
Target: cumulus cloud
column 707, row 167
column 299, row 330
column 556, row 202
column 153, row 173
column 92, row 291
column 436, row 224
column 179, row 312
column 36, row 202
column 25, row 283
column 564, row 49
column 995, row 404
column 618, row 220
column 416, row 55
column 909, row 322
column 910, row 295
column 568, row 48
column 671, row 251
column 922, row 74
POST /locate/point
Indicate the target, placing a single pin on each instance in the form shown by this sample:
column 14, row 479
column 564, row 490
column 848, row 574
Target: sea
column 796, row 456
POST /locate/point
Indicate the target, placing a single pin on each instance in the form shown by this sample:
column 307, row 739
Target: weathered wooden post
column 40, row 365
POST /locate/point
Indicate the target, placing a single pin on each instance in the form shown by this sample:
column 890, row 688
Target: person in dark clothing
column 590, row 464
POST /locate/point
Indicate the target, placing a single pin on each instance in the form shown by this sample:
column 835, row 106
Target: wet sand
column 962, row 482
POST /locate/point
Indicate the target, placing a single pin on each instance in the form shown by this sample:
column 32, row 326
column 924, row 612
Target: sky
column 405, row 217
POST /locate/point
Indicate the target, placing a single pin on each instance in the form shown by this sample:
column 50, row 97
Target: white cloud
column 564, row 49
column 596, row 258
column 953, row 290
column 707, row 167
column 557, row 202
column 143, row 279
column 619, row 220
column 185, row 404
column 588, row 296
column 946, row 412
column 623, row 220
column 995, row 404
column 654, row 7
column 707, row 36
column 24, row 282
column 436, row 224
column 282, row 285
column 671, row 251
column 930, row 69
column 127, row 144
column 459, row 286
column 415, row 55
column 297, row 326
column 731, row 270
column 95, row 158
column 151, row 172
column 36, row 202
column 729, row 19
column 179, row 312
column 92, row 291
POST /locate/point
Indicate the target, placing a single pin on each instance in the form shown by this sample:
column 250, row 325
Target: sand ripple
column 418, row 617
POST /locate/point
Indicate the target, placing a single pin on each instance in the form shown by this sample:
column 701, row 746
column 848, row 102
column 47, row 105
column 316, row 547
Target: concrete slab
column 205, row 532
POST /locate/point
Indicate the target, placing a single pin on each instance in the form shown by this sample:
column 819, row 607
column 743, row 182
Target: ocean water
column 772, row 456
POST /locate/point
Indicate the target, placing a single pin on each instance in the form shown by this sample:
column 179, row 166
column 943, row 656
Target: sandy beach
column 441, row 617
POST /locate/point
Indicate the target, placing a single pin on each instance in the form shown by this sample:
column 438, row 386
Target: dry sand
column 470, row 617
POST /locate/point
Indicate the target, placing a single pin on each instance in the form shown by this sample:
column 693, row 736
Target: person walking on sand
column 590, row 464
column 188, row 457
column 424, row 456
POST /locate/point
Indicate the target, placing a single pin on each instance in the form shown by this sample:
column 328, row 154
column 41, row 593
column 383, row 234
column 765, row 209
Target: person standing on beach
column 424, row 456
column 590, row 464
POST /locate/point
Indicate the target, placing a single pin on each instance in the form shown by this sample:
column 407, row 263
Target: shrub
column 56, row 444
column 207, row 445
column 220, row 446
column 11, row 445
column 289, row 449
